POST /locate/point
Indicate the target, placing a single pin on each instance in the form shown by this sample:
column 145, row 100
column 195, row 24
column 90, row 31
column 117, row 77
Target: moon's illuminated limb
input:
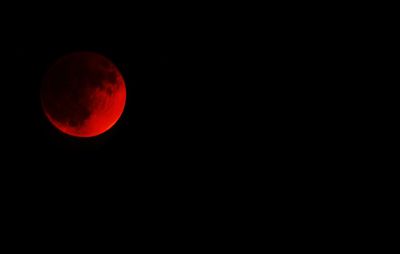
column 83, row 94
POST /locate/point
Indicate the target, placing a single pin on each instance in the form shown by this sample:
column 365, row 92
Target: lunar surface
column 83, row 94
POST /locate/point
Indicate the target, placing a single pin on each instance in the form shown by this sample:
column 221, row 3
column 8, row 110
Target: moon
column 83, row 94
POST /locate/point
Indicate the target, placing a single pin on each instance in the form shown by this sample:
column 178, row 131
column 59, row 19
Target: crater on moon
column 83, row 94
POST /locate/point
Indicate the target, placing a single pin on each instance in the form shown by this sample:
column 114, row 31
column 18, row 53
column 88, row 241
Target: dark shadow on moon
column 69, row 85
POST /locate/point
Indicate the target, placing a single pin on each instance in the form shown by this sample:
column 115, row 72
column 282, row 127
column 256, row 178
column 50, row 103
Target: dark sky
column 177, row 158
column 228, row 112
column 225, row 114
column 171, row 139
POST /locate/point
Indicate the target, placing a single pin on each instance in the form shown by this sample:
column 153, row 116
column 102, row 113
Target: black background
column 231, row 112
column 228, row 110
column 225, row 116
column 172, row 156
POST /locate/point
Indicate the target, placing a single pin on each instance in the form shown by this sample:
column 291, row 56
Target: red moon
column 83, row 94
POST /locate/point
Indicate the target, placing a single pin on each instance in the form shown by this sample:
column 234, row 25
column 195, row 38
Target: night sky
column 170, row 162
column 171, row 141
column 228, row 113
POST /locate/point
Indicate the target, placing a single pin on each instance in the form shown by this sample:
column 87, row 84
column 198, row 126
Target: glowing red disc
column 83, row 94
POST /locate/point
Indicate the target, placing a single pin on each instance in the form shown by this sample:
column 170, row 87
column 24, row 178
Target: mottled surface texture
column 83, row 94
